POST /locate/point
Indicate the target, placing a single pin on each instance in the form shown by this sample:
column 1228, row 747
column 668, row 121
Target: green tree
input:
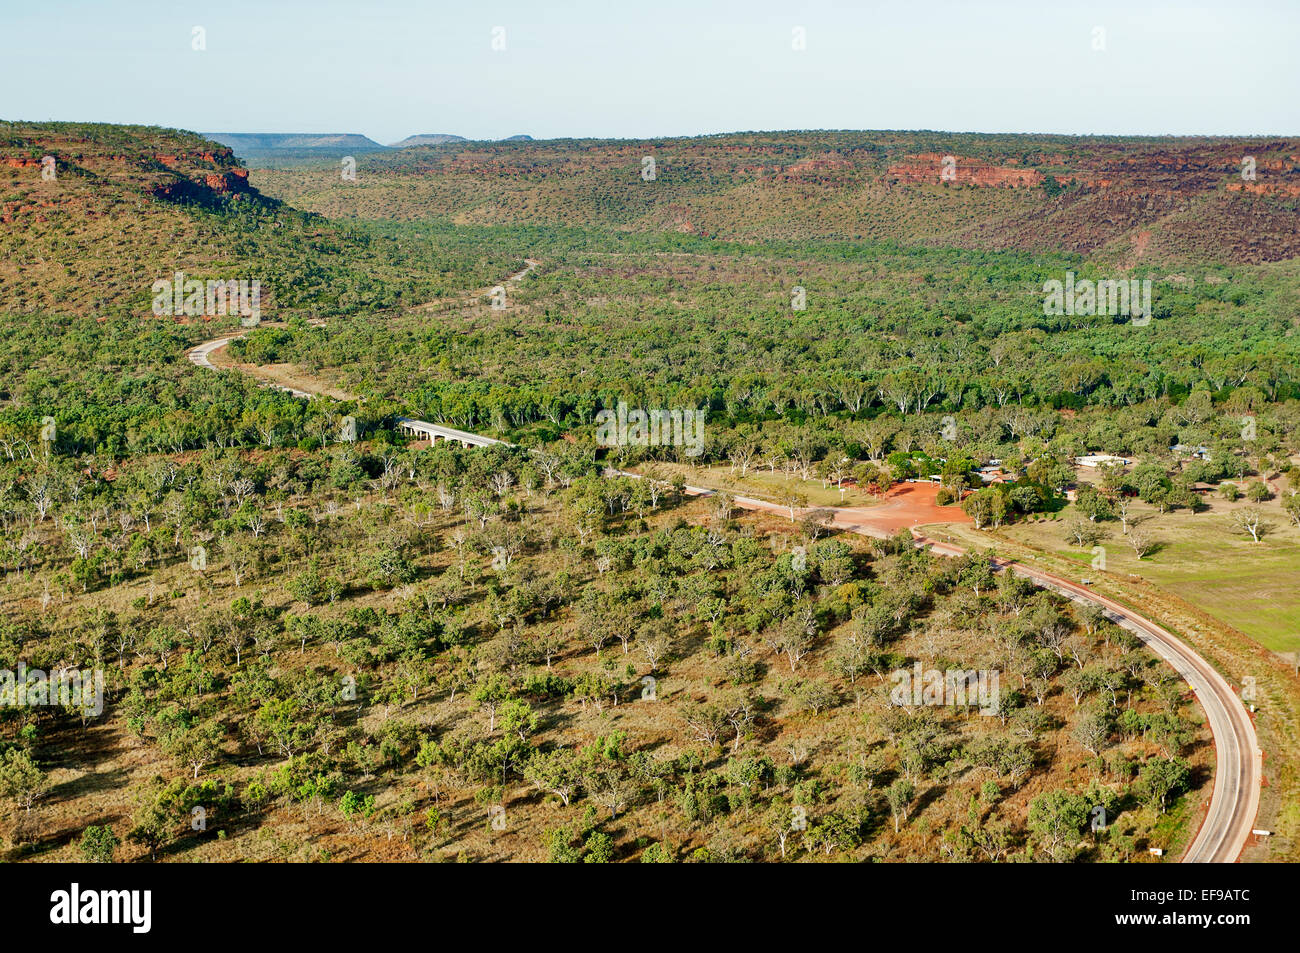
column 1057, row 818
column 21, row 780
column 900, row 795
column 1160, row 779
column 98, row 844
column 154, row 823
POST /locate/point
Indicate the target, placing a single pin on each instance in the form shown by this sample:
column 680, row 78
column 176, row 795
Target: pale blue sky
column 656, row 67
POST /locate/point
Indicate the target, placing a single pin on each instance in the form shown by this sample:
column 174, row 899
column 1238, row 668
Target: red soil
column 905, row 506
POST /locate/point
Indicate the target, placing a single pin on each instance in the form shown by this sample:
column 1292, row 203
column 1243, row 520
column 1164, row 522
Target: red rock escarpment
column 929, row 167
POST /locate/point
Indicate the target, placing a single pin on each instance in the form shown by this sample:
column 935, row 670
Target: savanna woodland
column 322, row 637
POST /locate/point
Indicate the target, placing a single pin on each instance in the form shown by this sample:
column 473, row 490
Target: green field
column 1255, row 588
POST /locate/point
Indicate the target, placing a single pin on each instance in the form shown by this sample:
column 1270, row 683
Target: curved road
column 1238, row 770
column 201, row 356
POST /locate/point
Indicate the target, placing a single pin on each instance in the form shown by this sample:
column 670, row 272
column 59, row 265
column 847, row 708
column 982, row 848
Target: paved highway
column 1238, row 769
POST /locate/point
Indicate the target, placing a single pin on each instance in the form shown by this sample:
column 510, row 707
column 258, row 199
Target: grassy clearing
column 1253, row 587
column 1234, row 654
column 769, row 485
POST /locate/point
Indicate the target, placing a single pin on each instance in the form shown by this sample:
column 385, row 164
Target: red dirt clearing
column 905, row 506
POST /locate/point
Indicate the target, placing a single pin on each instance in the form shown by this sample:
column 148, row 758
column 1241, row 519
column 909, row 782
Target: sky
column 655, row 68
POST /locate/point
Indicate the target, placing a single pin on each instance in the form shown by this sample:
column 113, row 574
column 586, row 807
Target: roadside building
column 1185, row 450
column 1094, row 460
column 995, row 474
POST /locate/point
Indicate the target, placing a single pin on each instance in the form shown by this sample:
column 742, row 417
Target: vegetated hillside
column 1130, row 200
column 385, row 651
column 131, row 205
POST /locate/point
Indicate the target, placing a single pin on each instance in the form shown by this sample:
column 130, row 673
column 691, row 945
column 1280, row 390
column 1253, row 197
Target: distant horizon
column 747, row 132
column 697, row 135
column 1112, row 68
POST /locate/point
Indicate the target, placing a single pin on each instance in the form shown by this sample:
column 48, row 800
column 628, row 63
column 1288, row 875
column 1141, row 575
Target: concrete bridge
column 436, row 432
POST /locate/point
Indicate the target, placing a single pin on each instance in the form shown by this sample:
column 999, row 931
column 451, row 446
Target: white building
column 1100, row 459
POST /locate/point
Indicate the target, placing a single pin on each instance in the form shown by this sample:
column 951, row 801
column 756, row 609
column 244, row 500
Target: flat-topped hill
column 1125, row 200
